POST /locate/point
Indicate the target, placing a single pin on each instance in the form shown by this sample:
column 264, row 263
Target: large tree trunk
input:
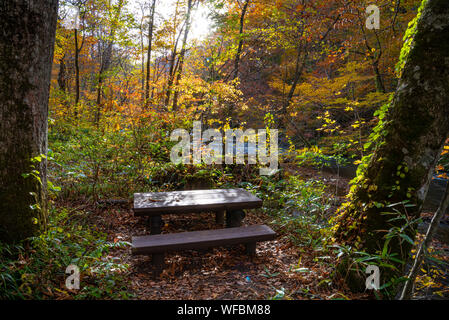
column 411, row 139
column 26, row 54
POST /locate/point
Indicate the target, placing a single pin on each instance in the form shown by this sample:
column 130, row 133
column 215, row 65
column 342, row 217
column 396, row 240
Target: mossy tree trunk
column 26, row 54
column 410, row 141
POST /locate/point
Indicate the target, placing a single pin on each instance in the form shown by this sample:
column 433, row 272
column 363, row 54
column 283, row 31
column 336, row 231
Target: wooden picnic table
column 231, row 201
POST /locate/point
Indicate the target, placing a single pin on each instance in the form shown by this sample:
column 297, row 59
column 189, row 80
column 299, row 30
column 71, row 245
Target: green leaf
column 407, row 238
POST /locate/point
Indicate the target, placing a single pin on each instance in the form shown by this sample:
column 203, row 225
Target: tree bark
column 411, row 140
column 26, row 54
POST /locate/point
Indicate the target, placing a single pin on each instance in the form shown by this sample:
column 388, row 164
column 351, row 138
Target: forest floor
column 433, row 280
column 280, row 270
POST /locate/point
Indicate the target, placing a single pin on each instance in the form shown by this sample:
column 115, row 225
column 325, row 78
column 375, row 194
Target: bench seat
column 157, row 244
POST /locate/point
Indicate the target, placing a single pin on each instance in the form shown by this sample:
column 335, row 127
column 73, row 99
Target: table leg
column 251, row 249
column 158, row 263
column 156, row 225
column 219, row 217
column 234, row 218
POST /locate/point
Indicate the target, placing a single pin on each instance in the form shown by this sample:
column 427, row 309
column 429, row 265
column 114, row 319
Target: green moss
column 409, row 39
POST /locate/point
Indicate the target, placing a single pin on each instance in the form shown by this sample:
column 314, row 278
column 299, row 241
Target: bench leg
column 158, row 262
column 156, row 225
column 234, row 218
column 220, row 217
column 251, row 249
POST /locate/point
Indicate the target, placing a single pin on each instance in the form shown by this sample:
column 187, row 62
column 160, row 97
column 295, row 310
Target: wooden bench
column 158, row 245
column 231, row 201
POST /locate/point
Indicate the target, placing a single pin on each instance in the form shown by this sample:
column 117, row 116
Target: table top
column 157, row 203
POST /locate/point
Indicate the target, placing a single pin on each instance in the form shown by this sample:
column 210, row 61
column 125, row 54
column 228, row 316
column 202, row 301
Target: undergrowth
column 35, row 268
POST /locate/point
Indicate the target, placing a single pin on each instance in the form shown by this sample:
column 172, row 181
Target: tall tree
column 26, row 54
column 142, row 48
column 62, row 74
column 105, row 55
column 183, row 52
column 240, row 44
column 173, row 64
column 150, row 43
column 303, row 50
column 78, row 5
column 409, row 141
column 78, row 49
